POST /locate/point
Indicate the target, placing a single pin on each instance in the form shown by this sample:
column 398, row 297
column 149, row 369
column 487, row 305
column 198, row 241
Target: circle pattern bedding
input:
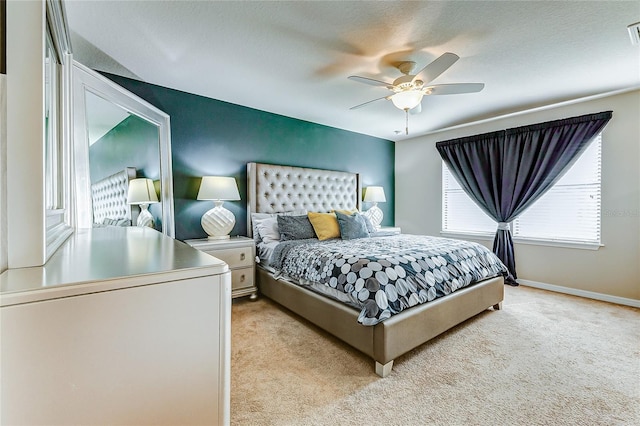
column 386, row 275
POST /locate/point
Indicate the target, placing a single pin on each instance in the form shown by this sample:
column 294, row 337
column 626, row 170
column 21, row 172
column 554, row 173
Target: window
column 52, row 125
column 569, row 212
column 57, row 140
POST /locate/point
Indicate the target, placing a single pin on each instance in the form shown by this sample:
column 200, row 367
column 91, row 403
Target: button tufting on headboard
column 109, row 196
column 283, row 188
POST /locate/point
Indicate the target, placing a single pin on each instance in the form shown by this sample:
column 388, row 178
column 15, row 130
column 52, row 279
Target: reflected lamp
column 142, row 192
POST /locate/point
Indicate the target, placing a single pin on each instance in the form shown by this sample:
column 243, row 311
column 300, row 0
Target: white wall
column 613, row 270
column 26, row 232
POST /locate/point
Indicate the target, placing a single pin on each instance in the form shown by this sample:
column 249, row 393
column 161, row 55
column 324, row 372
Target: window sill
column 57, row 231
column 529, row 241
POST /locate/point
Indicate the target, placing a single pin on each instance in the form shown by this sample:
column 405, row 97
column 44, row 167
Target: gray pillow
column 116, row 222
column 295, row 228
column 352, row 226
column 257, row 216
column 370, row 227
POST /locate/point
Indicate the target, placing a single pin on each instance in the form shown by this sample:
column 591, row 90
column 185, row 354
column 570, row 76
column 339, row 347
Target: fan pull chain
column 406, row 128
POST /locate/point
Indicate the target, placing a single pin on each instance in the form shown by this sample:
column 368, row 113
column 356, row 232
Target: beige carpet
column 545, row 359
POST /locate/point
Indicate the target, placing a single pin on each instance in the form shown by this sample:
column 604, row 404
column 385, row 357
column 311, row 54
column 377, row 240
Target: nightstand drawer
column 241, row 278
column 238, row 252
column 236, row 257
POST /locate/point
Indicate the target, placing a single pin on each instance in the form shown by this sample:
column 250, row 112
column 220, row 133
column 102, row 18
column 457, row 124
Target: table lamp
column 142, row 192
column 375, row 195
column 218, row 221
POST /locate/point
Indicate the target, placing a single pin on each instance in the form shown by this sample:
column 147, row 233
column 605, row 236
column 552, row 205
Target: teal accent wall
column 132, row 143
column 211, row 137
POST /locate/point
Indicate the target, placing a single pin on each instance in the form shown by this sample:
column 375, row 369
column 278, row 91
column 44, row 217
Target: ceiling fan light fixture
column 407, row 99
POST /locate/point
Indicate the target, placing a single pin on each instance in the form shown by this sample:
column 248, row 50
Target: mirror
column 114, row 130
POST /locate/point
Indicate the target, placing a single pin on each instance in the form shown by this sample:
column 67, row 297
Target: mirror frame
column 85, row 79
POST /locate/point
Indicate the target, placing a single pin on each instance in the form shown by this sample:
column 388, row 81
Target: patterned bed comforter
column 382, row 276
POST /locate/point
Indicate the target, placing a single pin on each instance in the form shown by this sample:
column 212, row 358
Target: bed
column 109, row 199
column 274, row 189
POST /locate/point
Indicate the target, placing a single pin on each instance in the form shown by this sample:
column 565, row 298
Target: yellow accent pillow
column 325, row 225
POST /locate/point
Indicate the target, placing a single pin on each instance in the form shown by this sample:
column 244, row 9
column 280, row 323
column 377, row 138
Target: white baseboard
column 582, row 293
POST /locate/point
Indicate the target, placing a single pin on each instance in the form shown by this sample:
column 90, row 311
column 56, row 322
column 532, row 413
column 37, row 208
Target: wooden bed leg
column 497, row 306
column 384, row 370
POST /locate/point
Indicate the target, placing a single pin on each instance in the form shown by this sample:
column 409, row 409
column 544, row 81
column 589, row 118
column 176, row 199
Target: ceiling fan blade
column 437, row 67
column 416, row 110
column 453, row 89
column 368, row 102
column 370, row 81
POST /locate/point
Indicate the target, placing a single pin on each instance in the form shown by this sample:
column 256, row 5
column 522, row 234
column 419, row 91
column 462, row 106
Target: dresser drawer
column 235, row 257
column 241, row 278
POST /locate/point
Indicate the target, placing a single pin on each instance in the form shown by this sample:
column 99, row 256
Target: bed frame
column 273, row 189
column 109, row 197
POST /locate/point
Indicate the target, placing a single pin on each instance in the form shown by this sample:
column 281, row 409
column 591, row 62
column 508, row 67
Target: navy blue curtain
column 505, row 172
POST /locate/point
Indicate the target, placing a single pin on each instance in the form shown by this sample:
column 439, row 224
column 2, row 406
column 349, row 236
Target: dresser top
column 102, row 259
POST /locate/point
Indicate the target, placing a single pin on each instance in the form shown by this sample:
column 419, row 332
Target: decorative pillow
column 352, row 226
column 268, row 229
column 367, row 214
column 372, row 229
column 325, row 225
column 116, row 222
column 256, row 216
column 347, row 212
column 370, row 226
column 295, row 228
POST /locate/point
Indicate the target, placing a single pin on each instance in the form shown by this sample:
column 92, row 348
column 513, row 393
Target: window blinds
column 569, row 211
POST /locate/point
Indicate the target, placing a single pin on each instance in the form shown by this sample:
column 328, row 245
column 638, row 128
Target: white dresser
column 122, row 326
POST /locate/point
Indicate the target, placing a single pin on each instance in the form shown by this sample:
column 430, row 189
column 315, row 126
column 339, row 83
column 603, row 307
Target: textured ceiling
column 293, row 58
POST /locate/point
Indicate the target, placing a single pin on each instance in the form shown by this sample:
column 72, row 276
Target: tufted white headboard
column 109, row 196
column 274, row 188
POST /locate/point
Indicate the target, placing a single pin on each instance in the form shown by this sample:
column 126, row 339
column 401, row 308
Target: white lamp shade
column 374, row 194
column 141, row 191
column 218, row 188
column 408, row 99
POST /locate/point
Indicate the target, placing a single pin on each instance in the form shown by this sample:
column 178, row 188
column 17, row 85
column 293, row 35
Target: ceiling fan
column 409, row 89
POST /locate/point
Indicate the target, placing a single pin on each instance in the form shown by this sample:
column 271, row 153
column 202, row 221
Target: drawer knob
column 242, row 256
column 242, row 278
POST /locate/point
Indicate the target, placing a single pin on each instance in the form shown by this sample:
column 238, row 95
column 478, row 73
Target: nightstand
column 239, row 253
column 392, row 229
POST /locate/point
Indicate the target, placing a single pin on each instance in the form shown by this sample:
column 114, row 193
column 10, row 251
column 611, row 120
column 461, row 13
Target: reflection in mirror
column 117, row 140
column 116, row 132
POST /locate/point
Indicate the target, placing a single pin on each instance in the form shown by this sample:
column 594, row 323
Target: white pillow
column 268, row 229
column 258, row 216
